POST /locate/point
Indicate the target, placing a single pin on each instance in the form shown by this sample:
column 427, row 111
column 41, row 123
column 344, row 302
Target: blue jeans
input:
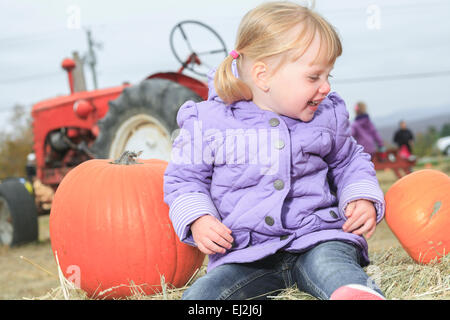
column 318, row 271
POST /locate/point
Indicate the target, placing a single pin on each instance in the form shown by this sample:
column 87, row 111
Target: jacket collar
column 361, row 116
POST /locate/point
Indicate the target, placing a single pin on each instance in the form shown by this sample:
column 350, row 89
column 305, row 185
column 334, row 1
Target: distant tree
column 424, row 142
column 432, row 134
column 16, row 144
column 445, row 130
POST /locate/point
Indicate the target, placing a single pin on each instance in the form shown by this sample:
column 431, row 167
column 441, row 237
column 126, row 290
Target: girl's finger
column 370, row 232
column 211, row 245
column 220, row 225
column 366, row 227
column 220, row 240
column 351, row 220
column 222, row 233
column 228, row 230
column 203, row 249
column 356, row 221
column 349, row 209
column 371, row 229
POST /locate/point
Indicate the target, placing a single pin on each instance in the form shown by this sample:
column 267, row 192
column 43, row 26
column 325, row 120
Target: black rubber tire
column 159, row 98
column 22, row 209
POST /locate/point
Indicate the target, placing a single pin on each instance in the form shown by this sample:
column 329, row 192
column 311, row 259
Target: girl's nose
column 325, row 88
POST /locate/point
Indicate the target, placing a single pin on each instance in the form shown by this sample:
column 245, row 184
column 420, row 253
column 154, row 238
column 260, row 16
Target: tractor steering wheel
column 202, row 39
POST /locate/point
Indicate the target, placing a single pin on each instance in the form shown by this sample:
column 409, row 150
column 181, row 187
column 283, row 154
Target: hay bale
column 400, row 277
column 397, row 274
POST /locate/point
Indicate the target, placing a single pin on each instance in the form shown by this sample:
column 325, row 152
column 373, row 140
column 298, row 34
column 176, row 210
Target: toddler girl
column 265, row 177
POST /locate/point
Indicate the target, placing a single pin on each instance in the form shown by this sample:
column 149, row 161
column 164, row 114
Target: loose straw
column 38, row 266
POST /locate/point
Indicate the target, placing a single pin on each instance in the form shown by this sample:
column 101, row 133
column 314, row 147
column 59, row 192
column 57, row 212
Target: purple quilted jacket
column 278, row 183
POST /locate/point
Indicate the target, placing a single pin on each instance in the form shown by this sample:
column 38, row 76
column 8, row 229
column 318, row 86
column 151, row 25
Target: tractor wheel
column 142, row 118
column 18, row 213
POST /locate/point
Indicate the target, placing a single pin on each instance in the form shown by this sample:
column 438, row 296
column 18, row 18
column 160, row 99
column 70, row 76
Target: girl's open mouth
column 314, row 103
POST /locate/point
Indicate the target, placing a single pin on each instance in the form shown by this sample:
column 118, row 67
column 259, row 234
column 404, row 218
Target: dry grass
column 391, row 268
column 400, row 278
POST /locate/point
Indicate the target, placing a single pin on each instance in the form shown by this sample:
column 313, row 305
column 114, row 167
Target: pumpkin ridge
column 103, row 220
column 86, row 209
column 170, row 273
column 143, row 220
column 147, row 235
column 122, row 219
column 150, row 219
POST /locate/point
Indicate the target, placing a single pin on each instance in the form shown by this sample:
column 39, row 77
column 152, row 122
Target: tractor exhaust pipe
column 68, row 65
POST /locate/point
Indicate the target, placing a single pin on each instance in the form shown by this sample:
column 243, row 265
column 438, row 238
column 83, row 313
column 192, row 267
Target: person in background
column 364, row 131
column 404, row 139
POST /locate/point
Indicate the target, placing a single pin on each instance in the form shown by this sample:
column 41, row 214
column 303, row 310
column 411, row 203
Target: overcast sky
column 381, row 39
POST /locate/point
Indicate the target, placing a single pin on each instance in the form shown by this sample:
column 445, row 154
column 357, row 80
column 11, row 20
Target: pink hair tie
column 234, row 54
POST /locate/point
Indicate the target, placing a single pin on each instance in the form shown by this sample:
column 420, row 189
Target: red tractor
column 100, row 124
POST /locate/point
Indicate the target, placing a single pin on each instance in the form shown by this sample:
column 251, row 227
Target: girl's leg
column 234, row 281
column 329, row 266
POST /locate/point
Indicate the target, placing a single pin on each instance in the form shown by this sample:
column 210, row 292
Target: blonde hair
column 361, row 108
column 263, row 33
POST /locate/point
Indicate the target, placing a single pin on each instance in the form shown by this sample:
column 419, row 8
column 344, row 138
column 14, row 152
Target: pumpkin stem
column 127, row 158
column 436, row 207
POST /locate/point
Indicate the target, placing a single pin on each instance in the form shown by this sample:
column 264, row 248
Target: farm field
column 30, row 271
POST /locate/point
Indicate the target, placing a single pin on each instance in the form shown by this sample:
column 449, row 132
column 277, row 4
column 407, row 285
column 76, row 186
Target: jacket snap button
column 280, row 144
column 274, row 122
column 278, row 184
column 269, row 220
column 333, row 214
column 284, row 237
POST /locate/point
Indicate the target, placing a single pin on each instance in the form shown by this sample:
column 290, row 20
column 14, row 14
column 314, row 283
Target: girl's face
column 298, row 87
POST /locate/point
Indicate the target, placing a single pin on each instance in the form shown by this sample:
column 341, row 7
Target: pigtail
column 229, row 88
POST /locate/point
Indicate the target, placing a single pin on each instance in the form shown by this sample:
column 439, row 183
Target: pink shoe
column 356, row 292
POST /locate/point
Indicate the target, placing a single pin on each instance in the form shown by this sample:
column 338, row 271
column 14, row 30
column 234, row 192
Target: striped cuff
column 186, row 209
column 367, row 190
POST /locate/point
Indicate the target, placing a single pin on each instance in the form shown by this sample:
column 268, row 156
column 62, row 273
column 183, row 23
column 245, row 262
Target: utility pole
column 79, row 82
column 91, row 58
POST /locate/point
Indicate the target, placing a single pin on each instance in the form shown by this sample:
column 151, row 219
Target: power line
column 31, row 37
column 395, row 77
column 89, row 58
column 5, row 110
column 26, row 106
column 338, row 81
column 32, row 77
column 352, row 10
column 385, row 8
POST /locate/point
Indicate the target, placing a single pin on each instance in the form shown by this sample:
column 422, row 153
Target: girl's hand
column 211, row 235
column 361, row 218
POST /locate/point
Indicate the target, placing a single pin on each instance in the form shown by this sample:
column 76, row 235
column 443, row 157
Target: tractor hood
column 70, row 99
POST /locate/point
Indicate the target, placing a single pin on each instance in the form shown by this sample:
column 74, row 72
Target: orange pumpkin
column 418, row 213
column 109, row 223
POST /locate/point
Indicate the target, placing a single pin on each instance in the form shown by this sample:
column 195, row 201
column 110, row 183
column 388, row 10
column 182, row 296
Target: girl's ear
column 260, row 76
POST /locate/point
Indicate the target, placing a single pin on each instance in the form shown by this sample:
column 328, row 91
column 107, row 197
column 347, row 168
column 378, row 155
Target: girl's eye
column 315, row 78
